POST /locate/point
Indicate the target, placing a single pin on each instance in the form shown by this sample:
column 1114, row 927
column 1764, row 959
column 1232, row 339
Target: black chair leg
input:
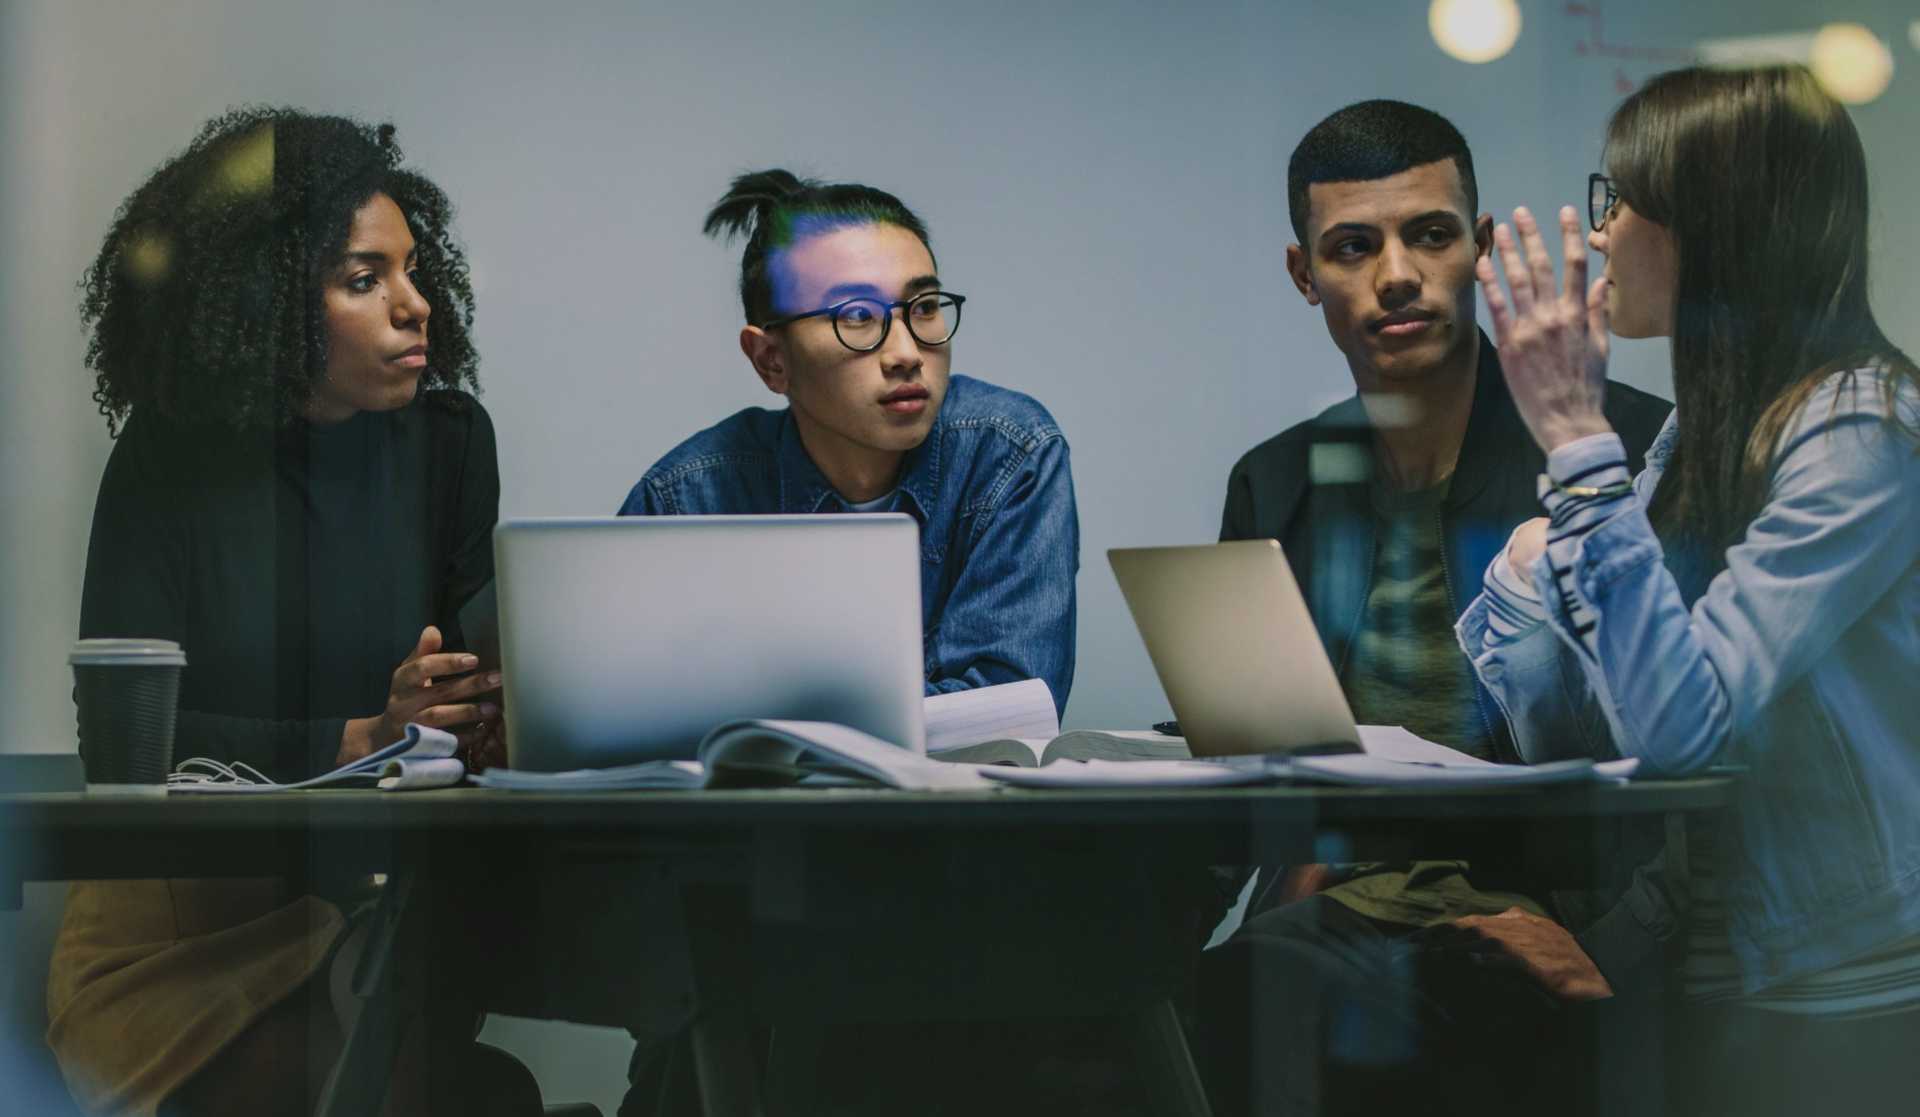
column 793, row 1060
column 723, row 1066
column 1166, row 1066
column 359, row 1081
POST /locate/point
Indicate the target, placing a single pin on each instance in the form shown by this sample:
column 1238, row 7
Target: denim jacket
column 991, row 489
column 1800, row 661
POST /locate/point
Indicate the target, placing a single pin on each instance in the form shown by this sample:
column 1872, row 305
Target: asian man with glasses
column 846, row 319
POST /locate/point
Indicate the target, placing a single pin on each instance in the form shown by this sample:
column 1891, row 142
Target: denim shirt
column 992, row 492
column 1801, row 662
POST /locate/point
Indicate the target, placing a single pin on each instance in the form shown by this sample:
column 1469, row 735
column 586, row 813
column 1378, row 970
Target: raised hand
column 1552, row 339
column 416, row 696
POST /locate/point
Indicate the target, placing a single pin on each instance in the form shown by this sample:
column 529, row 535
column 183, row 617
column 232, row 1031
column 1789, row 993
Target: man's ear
column 1300, row 270
column 1483, row 235
column 763, row 352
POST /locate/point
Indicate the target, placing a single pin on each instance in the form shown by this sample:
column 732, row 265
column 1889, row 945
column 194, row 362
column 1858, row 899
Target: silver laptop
column 1235, row 648
column 627, row 639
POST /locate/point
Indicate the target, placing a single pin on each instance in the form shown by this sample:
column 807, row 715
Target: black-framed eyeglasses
column 862, row 324
column 1601, row 198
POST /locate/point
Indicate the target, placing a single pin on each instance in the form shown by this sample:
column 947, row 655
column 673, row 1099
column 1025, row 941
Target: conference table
column 714, row 913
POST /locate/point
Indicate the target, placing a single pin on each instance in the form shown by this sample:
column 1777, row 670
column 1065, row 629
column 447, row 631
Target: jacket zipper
column 1453, row 601
column 1554, row 906
column 1360, row 617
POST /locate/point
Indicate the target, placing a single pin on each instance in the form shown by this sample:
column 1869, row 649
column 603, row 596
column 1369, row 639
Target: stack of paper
column 424, row 758
column 653, row 775
column 1393, row 757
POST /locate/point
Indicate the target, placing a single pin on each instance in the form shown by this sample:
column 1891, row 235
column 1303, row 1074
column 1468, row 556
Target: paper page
column 412, row 774
column 1357, row 768
column 421, row 743
column 967, row 717
column 1619, row 771
column 1118, row 744
column 1391, row 742
column 1038, row 745
column 651, row 775
column 1133, row 773
column 780, row 741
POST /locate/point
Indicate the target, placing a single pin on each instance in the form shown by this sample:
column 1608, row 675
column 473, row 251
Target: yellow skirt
column 151, row 979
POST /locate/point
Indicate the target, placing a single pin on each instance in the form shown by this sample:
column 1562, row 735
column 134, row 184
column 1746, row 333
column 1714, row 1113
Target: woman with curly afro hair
column 302, row 494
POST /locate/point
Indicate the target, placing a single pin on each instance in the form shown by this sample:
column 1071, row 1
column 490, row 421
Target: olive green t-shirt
column 1405, row 668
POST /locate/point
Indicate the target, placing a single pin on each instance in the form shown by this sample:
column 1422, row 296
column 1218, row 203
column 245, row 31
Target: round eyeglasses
column 1601, row 198
column 862, row 324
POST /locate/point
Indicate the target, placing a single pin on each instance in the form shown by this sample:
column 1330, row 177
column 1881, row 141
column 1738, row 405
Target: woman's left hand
column 1528, row 542
column 486, row 745
column 1552, row 343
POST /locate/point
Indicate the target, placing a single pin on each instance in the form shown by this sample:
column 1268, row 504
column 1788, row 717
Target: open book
column 422, row 759
column 1079, row 744
column 1008, row 724
column 761, row 753
column 1014, row 723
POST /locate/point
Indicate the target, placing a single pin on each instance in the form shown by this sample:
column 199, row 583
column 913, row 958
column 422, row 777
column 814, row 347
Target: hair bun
column 750, row 198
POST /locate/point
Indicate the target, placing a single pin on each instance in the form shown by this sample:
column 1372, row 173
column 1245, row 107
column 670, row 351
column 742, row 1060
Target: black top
column 296, row 568
column 1307, row 487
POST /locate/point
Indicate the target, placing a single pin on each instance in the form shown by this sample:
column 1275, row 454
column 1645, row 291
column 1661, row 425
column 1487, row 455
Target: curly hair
column 204, row 304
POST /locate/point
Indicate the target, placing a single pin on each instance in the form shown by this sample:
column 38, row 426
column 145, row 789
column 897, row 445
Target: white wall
column 1105, row 180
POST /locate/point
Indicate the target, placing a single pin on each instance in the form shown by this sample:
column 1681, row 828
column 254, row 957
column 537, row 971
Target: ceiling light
column 1851, row 62
column 1474, row 30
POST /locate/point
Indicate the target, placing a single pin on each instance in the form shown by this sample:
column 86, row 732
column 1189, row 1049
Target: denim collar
column 804, row 489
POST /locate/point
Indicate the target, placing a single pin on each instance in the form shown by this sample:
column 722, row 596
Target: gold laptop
column 1235, row 648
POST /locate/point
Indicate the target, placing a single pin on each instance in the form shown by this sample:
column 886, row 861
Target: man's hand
column 416, row 696
column 1522, row 941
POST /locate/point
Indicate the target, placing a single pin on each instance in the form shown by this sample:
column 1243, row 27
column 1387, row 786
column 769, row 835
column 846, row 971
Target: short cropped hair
column 1374, row 139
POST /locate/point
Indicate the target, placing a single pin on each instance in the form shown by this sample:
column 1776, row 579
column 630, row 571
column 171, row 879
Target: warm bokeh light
column 1474, row 30
column 1851, row 62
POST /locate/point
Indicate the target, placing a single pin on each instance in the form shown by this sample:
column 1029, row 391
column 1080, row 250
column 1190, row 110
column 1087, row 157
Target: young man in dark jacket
column 1389, row 506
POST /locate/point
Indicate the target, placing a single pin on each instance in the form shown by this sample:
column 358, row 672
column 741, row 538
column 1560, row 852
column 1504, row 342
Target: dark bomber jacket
column 1307, row 487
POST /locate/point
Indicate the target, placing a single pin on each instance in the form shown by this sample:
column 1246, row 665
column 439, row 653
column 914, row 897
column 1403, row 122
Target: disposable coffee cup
column 127, row 692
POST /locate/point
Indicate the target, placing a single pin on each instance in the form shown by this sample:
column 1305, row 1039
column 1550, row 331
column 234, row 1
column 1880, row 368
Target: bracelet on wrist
column 1585, row 492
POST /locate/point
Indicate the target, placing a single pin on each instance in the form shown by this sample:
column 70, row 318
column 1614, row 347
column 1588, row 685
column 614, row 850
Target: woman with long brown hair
column 1753, row 597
